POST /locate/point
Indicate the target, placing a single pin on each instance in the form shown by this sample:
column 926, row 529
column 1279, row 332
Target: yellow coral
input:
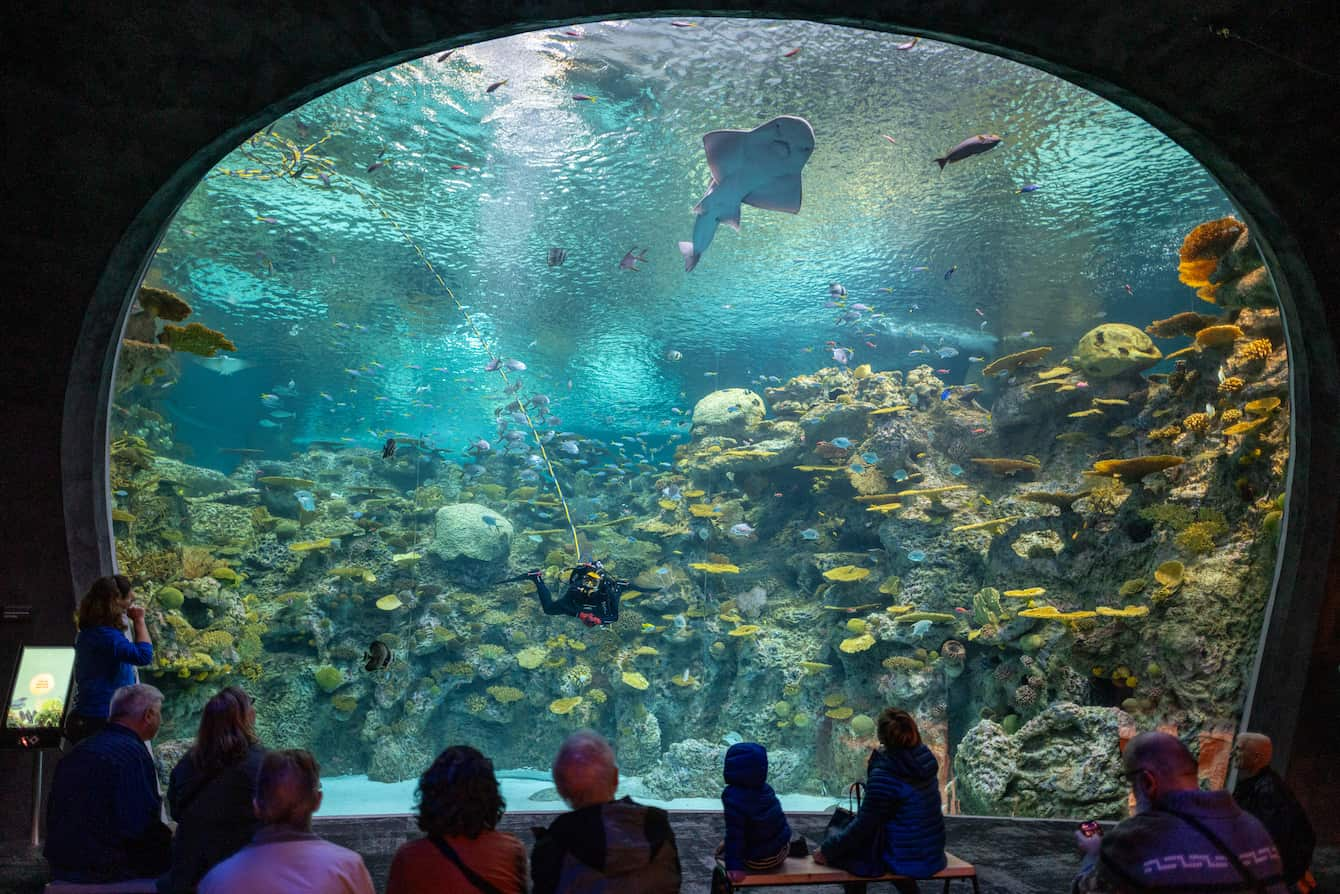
column 833, row 699
column 1242, row 428
column 1170, row 574
column 1256, row 349
column 839, row 713
column 715, row 567
column 564, row 705
column 1262, row 406
column 389, row 603
column 745, row 630
column 815, row 667
column 846, row 573
column 667, row 504
column 1014, row 361
column 1197, row 422
column 1136, row 467
column 1231, row 385
column 635, row 680
column 1042, row 611
column 702, row 510
column 195, row 339
column 306, row 546
column 532, row 657
column 1218, row 336
column 1166, row 433
column 1028, row 593
column 1130, row 611
column 856, row 644
column 858, row 625
column 506, row 694
column 1230, row 417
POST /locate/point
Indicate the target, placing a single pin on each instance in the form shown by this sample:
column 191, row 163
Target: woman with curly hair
column 104, row 658
column 211, row 788
column 462, row 850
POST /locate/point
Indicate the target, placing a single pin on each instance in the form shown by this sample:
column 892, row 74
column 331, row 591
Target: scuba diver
column 591, row 596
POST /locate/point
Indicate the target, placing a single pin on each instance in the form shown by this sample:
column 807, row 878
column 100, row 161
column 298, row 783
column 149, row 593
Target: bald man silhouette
column 1181, row 838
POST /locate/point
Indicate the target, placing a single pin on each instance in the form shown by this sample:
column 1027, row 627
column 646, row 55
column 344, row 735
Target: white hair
column 134, row 700
column 584, row 769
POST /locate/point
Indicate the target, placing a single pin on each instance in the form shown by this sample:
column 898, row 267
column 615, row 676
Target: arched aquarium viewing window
column 981, row 413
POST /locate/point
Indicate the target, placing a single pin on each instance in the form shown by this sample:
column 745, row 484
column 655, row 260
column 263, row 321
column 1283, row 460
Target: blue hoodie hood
column 746, row 764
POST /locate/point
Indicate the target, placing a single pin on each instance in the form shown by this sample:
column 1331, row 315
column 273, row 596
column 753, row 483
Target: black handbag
column 867, row 858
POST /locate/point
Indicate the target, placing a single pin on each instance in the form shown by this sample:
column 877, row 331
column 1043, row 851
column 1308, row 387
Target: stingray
column 759, row 167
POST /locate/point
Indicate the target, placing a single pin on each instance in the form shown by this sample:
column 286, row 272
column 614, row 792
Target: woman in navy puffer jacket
column 757, row 834
column 902, row 796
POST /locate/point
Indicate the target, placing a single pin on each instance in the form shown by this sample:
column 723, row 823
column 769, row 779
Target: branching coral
column 1198, row 423
column 1231, row 385
column 1257, row 349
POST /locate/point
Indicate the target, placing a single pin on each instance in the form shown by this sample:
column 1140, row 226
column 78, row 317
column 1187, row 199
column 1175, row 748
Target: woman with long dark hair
column 211, row 789
column 104, row 658
column 902, row 800
column 459, row 809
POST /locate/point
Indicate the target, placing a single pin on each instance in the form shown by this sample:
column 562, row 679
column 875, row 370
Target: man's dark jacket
column 607, row 848
column 103, row 814
column 1266, row 796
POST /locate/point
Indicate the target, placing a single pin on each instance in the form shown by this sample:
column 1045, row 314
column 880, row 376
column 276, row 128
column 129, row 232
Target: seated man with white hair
column 1265, row 795
column 104, row 821
column 285, row 856
column 602, row 845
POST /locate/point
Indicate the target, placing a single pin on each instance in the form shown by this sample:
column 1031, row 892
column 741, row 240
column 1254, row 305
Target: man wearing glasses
column 1181, row 838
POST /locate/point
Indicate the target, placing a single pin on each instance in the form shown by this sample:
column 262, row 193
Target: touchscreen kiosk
column 37, row 697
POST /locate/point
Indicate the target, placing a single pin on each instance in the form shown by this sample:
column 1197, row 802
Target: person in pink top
column 285, row 856
column 459, row 809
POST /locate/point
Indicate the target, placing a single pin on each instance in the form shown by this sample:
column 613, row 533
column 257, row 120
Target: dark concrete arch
column 108, row 135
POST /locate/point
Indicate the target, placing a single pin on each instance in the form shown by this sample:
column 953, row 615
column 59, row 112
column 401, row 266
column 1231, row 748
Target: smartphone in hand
column 1090, row 828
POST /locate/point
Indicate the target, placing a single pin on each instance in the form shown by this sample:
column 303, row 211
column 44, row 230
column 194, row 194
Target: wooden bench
column 132, row 886
column 804, row 871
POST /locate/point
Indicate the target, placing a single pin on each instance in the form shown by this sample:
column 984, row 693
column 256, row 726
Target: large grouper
column 759, row 167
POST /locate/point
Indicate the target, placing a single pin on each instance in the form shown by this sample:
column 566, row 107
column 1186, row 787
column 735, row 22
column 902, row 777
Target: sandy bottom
column 358, row 796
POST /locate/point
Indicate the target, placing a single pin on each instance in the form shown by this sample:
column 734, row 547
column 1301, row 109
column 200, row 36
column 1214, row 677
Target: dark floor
column 1012, row 856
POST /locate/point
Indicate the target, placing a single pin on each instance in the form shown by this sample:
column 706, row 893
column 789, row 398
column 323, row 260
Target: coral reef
column 1029, row 562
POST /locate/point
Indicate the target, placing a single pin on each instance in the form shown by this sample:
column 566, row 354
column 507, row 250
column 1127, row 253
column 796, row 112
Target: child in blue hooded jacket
column 757, row 833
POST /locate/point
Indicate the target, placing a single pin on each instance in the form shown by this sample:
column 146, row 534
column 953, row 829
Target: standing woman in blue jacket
column 104, row 659
column 903, row 800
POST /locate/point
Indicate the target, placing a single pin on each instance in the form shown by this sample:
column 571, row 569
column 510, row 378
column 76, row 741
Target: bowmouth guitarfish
column 759, row 167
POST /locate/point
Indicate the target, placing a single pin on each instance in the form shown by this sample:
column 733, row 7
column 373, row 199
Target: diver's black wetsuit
column 591, row 596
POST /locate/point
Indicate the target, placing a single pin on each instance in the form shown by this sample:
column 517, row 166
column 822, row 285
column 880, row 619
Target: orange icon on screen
column 41, row 684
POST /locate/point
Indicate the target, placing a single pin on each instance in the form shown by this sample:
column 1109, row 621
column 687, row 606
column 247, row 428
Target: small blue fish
column 900, row 474
column 956, row 470
column 944, row 395
column 306, row 499
column 916, row 555
column 490, row 520
column 535, row 538
column 856, row 467
column 870, row 458
column 809, row 534
column 921, row 628
column 841, row 443
column 1030, row 187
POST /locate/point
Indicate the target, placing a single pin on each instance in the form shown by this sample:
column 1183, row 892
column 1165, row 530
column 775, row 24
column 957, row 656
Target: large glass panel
column 992, row 428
